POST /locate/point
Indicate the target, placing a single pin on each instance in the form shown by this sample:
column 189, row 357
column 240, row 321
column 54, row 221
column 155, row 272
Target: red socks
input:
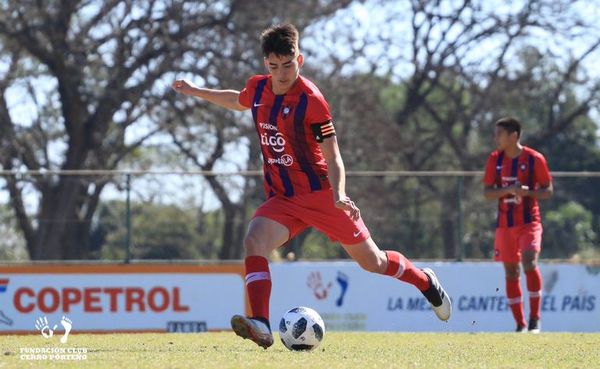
column 258, row 285
column 515, row 300
column 401, row 268
column 534, row 286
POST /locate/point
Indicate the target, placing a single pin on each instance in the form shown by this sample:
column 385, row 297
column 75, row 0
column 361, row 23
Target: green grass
column 338, row 350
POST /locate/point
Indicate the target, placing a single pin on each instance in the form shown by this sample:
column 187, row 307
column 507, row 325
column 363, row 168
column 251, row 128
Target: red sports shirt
column 293, row 163
column 529, row 169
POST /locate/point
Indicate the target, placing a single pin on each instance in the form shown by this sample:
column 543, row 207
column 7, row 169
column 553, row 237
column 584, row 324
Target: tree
column 449, row 70
column 158, row 232
column 568, row 231
column 93, row 73
column 12, row 247
column 418, row 90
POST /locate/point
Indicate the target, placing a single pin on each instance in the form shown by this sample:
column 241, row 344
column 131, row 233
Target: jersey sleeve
column 542, row 173
column 318, row 111
column 247, row 94
column 319, row 118
column 489, row 176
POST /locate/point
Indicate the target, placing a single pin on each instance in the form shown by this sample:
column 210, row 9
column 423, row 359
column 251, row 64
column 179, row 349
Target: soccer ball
column 301, row 328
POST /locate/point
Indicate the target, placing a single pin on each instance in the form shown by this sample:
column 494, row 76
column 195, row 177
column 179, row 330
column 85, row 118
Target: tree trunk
column 240, row 233
column 229, row 211
column 63, row 231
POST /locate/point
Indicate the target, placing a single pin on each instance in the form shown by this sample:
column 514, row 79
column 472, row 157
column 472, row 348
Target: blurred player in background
column 517, row 176
column 304, row 180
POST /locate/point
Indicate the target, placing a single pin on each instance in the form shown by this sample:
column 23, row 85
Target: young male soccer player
column 304, row 181
column 517, row 176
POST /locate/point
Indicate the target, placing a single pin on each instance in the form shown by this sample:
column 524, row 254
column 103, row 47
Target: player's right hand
column 516, row 189
column 346, row 204
column 183, row 86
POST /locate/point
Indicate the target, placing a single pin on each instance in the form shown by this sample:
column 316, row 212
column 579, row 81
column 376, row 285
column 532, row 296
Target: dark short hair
column 510, row 124
column 281, row 40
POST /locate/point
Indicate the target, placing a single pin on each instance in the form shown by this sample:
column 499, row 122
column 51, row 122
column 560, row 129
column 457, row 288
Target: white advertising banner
column 179, row 298
column 349, row 298
column 121, row 302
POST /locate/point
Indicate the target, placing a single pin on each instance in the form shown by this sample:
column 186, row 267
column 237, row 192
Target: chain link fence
column 129, row 215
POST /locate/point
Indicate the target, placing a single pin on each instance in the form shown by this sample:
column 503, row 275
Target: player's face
column 284, row 71
column 504, row 139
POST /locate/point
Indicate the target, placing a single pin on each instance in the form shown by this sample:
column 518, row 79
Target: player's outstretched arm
column 225, row 98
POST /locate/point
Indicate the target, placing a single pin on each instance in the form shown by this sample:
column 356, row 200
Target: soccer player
column 304, row 181
column 517, row 176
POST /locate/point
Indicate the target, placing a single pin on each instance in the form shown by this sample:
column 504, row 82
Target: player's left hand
column 346, row 204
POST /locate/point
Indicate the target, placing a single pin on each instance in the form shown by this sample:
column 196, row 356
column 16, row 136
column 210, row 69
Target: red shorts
column 317, row 210
column 510, row 242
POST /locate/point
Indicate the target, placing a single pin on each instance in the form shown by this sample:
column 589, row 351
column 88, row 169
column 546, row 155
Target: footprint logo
column 67, row 325
column 342, row 280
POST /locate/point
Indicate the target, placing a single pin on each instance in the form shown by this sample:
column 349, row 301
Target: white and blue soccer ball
column 301, row 328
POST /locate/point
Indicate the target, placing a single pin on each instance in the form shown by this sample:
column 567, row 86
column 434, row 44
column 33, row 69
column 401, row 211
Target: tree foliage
column 429, row 96
column 413, row 85
column 97, row 74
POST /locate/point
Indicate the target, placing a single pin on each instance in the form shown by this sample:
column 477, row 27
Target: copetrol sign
column 122, row 298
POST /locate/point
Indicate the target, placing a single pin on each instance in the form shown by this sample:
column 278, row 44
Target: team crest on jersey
column 523, row 167
column 286, row 110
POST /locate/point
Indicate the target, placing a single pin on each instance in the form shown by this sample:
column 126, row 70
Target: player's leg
column 514, row 294
column 368, row 255
column 530, row 243
column 534, row 287
column 264, row 235
column 506, row 250
column 318, row 210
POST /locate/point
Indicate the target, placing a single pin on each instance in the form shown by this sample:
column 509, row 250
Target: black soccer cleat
column 437, row 297
column 535, row 326
column 521, row 329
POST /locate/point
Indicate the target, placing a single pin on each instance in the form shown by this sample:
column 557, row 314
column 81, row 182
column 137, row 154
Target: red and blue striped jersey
column 293, row 163
column 529, row 169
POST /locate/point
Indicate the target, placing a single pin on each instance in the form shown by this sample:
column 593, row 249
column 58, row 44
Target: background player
column 517, row 176
column 304, row 180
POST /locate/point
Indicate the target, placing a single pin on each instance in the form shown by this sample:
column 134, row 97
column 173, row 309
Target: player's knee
column 512, row 276
column 529, row 261
column 253, row 244
column 529, row 265
column 513, row 271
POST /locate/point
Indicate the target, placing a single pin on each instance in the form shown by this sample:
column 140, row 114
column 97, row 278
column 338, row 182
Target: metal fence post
column 128, row 219
column 460, row 219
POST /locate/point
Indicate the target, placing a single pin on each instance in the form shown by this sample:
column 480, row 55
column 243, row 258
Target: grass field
column 338, row 350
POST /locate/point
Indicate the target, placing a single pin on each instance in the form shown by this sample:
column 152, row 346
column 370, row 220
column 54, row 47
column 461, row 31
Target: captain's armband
column 321, row 131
